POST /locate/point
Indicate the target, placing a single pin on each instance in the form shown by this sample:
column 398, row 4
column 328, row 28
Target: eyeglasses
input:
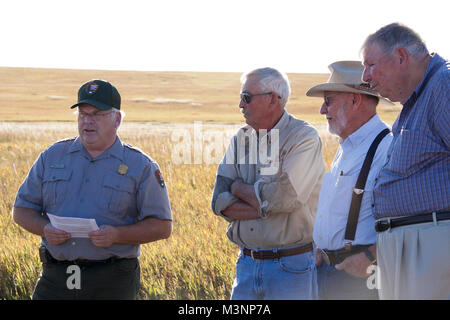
column 247, row 97
column 96, row 116
column 327, row 99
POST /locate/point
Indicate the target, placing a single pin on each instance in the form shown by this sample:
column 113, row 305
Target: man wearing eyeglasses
column 344, row 226
column 93, row 176
column 267, row 187
column 412, row 192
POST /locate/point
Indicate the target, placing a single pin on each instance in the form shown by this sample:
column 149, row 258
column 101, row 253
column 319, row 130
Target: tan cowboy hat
column 345, row 77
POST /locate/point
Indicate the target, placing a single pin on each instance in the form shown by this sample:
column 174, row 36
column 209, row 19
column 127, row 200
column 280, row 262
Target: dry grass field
column 197, row 261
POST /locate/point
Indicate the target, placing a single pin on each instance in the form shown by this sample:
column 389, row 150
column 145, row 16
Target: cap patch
column 91, row 88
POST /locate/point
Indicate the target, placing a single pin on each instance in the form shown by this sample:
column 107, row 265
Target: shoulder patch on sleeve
column 159, row 178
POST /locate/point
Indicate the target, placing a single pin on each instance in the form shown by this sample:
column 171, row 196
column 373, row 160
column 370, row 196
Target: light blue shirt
column 122, row 186
column 337, row 187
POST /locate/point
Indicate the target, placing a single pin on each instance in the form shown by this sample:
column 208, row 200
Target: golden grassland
column 28, row 94
column 197, row 261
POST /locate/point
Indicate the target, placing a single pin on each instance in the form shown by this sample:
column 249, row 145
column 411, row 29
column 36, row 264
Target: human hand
column 319, row 258
column 55, row 236
column 103, row 237
column 355, row 265
column 235, row 185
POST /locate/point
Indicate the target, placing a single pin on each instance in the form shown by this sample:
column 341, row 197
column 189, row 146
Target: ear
column 117, row 120
column 357, row 100
column 402, row 56
column 274, row 99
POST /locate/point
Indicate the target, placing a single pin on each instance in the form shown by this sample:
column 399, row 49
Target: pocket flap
column 57, row 175
column 119, row 183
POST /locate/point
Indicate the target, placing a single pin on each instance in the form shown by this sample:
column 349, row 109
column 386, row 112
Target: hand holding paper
column 75, row 227
column 55, row 236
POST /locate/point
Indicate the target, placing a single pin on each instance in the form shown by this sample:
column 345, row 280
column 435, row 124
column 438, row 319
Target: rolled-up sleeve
column 226, row 174
column 29, row 194
column 301, row 169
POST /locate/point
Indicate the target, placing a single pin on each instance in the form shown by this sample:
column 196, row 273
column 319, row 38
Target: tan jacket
column 287, row 183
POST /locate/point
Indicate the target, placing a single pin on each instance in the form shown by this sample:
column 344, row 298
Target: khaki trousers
column 414, row 261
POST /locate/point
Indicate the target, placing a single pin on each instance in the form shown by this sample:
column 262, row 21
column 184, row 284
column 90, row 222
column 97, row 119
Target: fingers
column 341, row 266
column 55, row 236
column 319, row 259
column 103, row 237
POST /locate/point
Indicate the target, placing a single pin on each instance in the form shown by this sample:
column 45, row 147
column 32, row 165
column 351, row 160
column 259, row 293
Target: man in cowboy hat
column 344, row 226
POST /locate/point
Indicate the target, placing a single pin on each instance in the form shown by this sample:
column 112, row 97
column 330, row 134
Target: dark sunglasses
column 247, row 97
column 327, row 99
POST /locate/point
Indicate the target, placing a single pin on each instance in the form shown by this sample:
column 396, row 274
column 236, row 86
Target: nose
column 241, row 104
column 323, row 109
column 366, row 75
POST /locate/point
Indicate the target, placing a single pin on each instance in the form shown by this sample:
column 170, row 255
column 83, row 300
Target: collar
column 280, row 125
column 116, row 150
column 366, row 131
column 435, row 60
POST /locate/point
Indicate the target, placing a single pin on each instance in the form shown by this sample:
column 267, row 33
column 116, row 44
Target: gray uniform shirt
column 122, row 186
column 286, row 168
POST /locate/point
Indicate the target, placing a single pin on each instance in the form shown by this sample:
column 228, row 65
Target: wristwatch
column 370, row 256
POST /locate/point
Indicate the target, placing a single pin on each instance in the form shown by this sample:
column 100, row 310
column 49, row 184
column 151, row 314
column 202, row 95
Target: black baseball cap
column 100, row 94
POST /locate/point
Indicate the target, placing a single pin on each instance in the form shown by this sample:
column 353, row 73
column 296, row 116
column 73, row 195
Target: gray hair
column 114, row 111
column 271, row 80
column 396, row 35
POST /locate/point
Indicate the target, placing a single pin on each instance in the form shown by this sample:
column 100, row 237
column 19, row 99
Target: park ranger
column 93, row 176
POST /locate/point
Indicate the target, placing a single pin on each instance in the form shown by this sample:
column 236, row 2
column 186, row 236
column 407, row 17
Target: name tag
column 57, row 166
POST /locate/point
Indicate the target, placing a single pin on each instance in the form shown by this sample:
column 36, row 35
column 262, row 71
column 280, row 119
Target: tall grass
column 196, row 262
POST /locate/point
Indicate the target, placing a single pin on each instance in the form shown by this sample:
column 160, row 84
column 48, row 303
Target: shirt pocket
column 411, row 152
column 55, row 186
column 341, row 198
column 118, row 194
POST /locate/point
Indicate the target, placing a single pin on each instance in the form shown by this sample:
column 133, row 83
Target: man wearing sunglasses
column 93, row 176
column 267, row 187
column 344, row 227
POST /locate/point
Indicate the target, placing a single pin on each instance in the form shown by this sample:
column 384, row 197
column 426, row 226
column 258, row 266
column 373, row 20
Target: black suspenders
column 358, row 191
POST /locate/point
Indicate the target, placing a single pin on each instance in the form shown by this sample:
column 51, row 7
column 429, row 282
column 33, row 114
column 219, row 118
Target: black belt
column 333, row 257
column 47, row 258
column 386, row 224
column 267, row 254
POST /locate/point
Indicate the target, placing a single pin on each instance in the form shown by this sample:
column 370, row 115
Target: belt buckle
column 384, row 225
column 251, row 254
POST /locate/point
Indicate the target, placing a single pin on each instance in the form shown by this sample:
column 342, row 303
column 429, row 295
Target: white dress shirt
column 337, row 187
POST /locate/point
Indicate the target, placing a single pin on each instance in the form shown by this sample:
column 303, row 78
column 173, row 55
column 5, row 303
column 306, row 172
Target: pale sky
column 199, row 35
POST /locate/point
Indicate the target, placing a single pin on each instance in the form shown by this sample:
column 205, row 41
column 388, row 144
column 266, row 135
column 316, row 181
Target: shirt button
column 117, row 186
column 87, row 180
column 82, row 200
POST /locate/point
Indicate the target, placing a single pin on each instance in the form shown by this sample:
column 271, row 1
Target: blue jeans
column 287, row 278
column 339, row 285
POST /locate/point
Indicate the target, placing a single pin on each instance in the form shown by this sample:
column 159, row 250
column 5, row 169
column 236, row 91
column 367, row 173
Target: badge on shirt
column 122, row 169
column 57, row 166
column 159, row 178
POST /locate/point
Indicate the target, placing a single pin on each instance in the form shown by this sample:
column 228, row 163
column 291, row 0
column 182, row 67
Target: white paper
column 77, row 227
